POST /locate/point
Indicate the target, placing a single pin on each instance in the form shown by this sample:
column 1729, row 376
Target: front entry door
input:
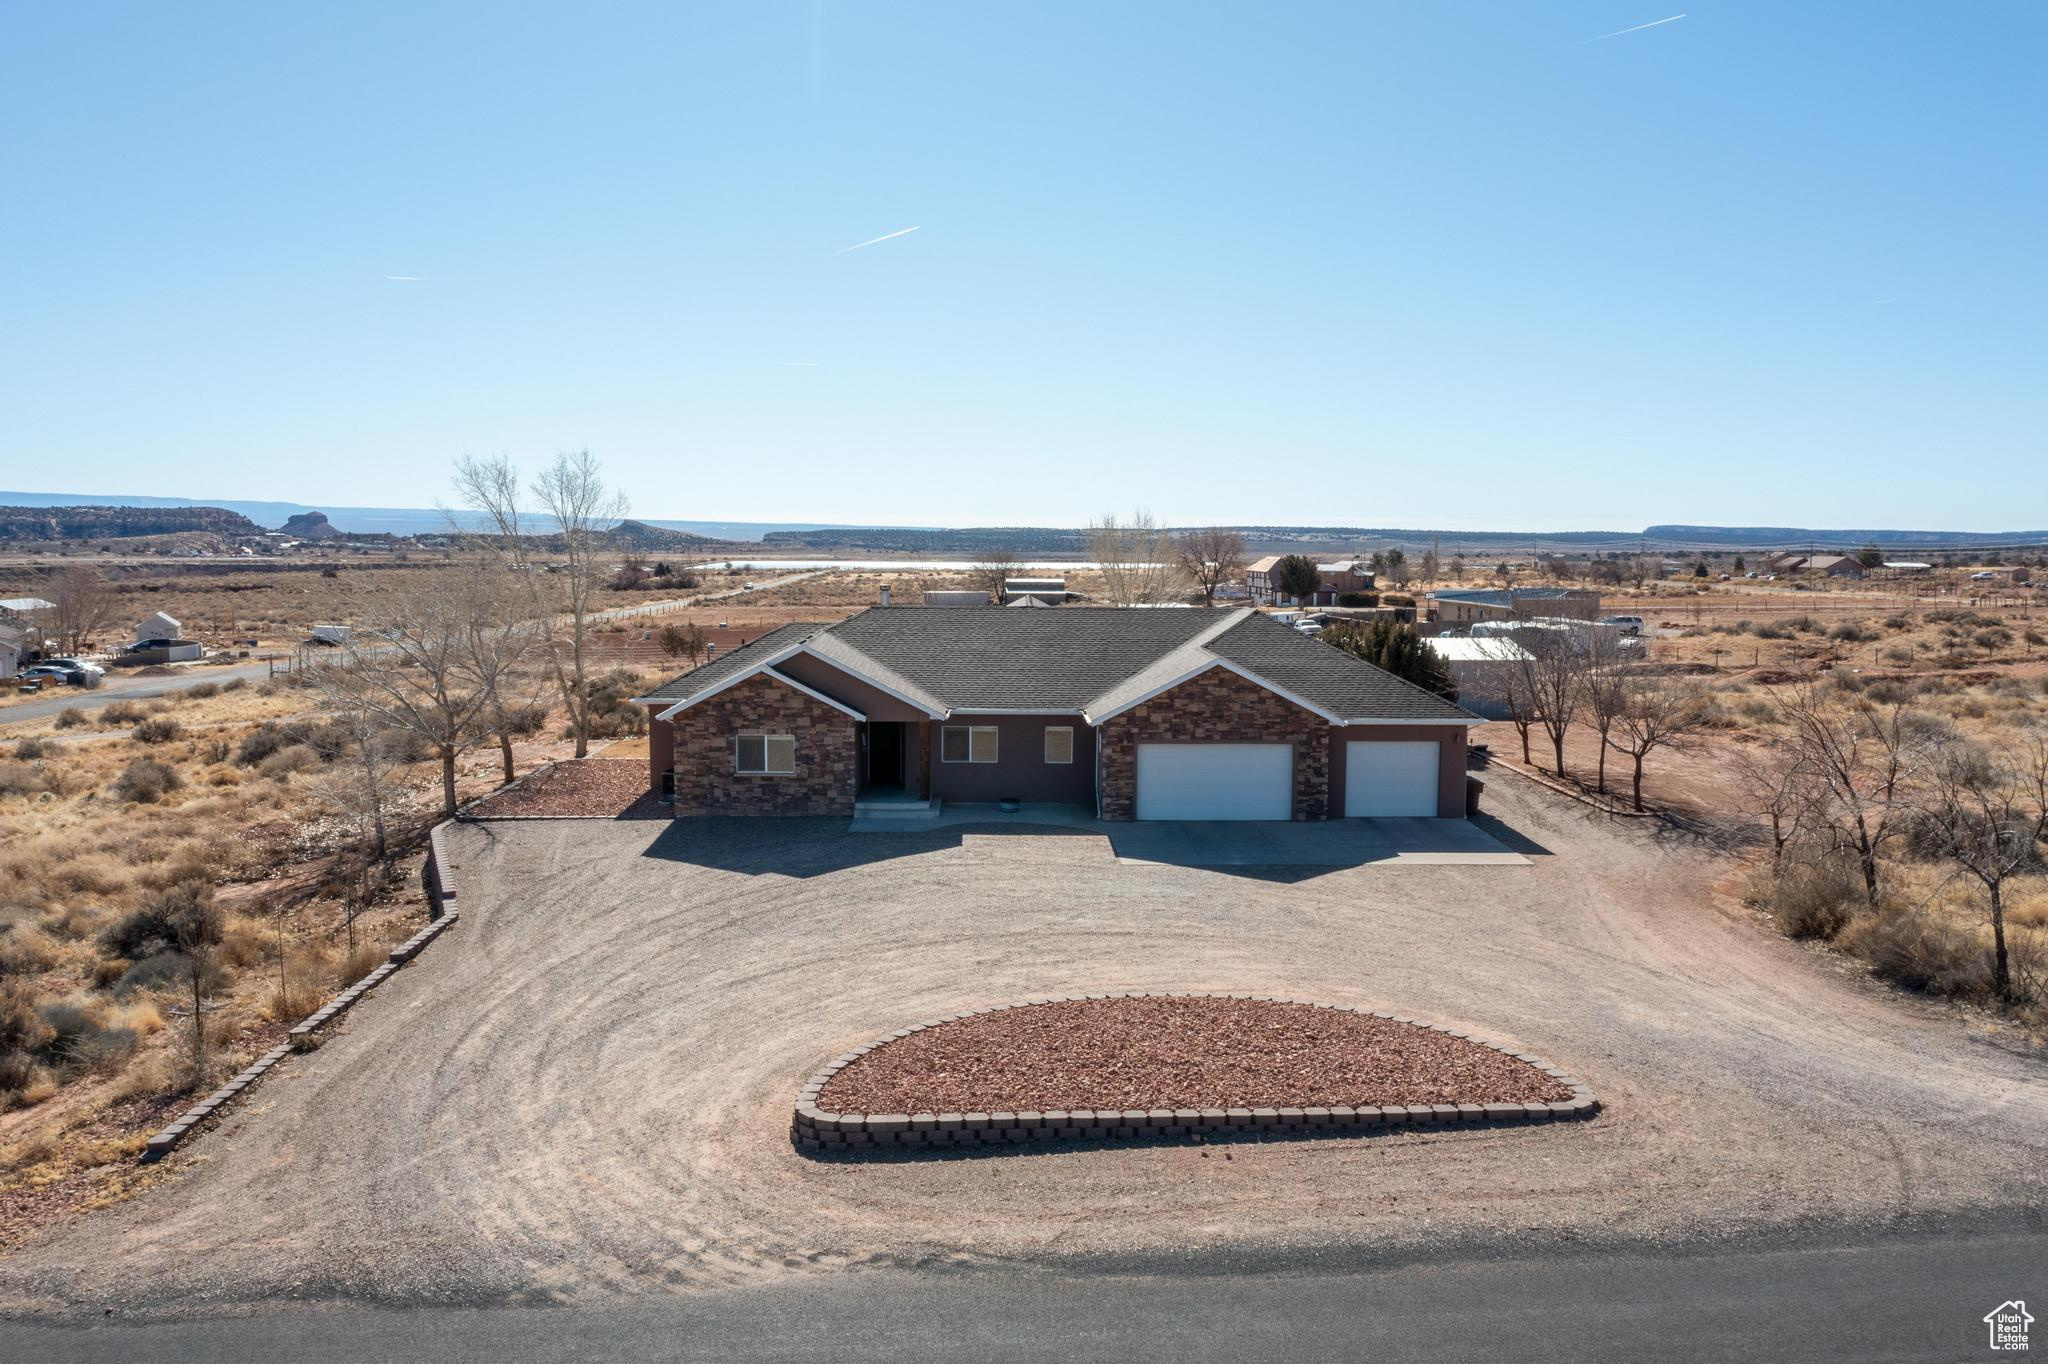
column 885, row 753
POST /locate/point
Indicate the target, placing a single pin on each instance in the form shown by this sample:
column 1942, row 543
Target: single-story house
column 1830, row 565
column 24, row 606
column 13, row 644
column 1046, row 591
column 1145, row 715
column 1463, row 606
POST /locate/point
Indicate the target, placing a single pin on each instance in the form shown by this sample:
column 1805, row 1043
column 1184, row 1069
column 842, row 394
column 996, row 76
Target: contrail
column 858, row 245
column 1637, row 29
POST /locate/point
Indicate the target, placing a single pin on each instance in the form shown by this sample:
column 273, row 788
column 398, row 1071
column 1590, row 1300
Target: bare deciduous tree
column 1212, row 557
column 1556, row 674
column 1655, row 714
column 81, row 604
column 996, row 568
column 1980, row 812
column 1864, row 758
column 1139, row 562
column 1779, row 788
column 1605, row 689
column 572, row 495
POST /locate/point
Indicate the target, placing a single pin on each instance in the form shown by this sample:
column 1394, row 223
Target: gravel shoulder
column 584, row 1090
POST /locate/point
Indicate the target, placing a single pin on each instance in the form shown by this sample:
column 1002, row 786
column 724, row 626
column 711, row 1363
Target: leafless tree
column 572, row 495
column 1865, row 759
column 1212, row 557
column 1518, row 690
column 1656, row 714
column 357, row 786
column 81, row 605
column 683, row 641
column 1779, row 788
column 1604, row 687
column 996, row 568
column 1139, row 562
column 1556, row 674
column 1981, row 813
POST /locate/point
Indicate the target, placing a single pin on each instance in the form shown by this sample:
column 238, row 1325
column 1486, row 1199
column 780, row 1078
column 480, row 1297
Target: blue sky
column 1418, row 264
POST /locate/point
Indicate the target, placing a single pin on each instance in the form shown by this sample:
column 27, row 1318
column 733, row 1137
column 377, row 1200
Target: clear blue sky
column 1421, row 263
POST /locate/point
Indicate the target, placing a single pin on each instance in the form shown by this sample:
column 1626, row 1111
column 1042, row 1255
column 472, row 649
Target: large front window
column 967, row 744
column 764, row 755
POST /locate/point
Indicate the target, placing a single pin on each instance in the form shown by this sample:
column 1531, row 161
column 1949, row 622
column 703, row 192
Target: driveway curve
column 584, row 1090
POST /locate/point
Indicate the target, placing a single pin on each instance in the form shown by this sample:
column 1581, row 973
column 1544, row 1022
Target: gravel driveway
column 585, row 1089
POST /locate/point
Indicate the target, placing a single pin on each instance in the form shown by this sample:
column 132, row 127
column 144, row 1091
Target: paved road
column 1897, row 1298
column 118, row 688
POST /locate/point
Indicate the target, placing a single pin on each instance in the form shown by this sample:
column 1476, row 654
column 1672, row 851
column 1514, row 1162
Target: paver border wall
column 814, row 1128
column 440, row 889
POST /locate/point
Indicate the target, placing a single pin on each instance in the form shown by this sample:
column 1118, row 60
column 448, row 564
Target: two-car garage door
column 1216, row 781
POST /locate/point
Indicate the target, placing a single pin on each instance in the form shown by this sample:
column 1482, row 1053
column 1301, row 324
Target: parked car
column 74, row 664
column 151, row 644
column 1628, row 625
column 55, row 673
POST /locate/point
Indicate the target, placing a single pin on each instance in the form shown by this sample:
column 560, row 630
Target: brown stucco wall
column 822, row 676
column 1020, row 768
column 823, row 783
column 1217, row 707
column 661, row 748
column 1450, row 787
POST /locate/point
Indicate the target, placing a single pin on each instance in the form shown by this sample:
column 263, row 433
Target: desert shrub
column 71, row 717
column 159, row 729
column 27, row 779
column 23, row 1032
column 1896, row 622
column 1770, row 630
column 612, row 712
column 122, row 713
column 1997, row 637
column 1852, row 632
column 28, row 750
column 146, row 781
column 217, row 751
column 1397, row 599
column 1808, row 898
column 1356, row 599
column 235, row 684
column 274, row 736
column 159, row 971
column 407, row 745
column 1924, row 952
column 2035, row 638
column 287, row 762
column 25, row 951
column 366, row 958
column 154, row 925
column 291, row 1001
column 203, row 691
column 1900, row 653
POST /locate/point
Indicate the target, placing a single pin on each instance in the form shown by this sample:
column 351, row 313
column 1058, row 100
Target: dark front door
column 885, row 754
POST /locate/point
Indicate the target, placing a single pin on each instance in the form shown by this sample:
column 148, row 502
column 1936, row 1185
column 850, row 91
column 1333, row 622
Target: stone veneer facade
column 1216, row 707
column 823, row 783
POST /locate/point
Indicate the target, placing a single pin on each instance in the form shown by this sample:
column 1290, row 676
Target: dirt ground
column 585, row 1090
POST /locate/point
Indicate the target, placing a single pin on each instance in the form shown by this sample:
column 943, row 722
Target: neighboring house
column 955, row 597
column 1464, row 606
column 24, row 606
column 1830, row 565
column 160, row 625
column 1222, row 714
column 13, row 644
column 1482, row 666
column 1258, row 579
column 1346, row 575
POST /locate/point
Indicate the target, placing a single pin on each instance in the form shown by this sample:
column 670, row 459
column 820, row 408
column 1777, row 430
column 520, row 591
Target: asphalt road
column 1902, row 1297
column 117, row 688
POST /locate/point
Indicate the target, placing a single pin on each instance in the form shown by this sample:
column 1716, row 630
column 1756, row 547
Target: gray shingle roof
column 1075, row 658
column 748, row 655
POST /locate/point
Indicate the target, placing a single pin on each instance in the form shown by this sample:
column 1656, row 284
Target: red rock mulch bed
column 600, row 787
column 1178, row 1053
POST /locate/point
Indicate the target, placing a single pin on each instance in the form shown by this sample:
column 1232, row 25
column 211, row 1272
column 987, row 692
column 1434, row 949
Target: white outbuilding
column 159, row 626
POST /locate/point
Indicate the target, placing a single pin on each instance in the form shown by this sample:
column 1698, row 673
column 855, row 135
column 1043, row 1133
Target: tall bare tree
column 81, row 605
column 1655, row 714
column 1779, row 788
column 1981, row 812
column 1605, row 689
column 1212, row 557
column 577, row 509
column 1865, row 759
column 1556, row 674
column 1139, row 562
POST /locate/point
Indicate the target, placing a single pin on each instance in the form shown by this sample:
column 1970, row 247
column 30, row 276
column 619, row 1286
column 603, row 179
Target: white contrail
column 1637, row 29
column 858, row 245
column 410, row 279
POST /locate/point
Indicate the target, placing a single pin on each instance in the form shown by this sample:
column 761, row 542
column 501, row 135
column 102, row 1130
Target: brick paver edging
column 813, row 1127
column 441, row 893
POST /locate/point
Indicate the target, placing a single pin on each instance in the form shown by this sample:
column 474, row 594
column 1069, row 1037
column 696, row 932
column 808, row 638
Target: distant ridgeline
column 108, row 523
column 1745, row 536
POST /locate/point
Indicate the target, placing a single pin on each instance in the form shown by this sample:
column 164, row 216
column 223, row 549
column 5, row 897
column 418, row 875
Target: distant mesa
column 310, row 526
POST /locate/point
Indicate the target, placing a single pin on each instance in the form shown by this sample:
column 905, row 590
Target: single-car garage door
column 1385, row 780
column 1215, row 781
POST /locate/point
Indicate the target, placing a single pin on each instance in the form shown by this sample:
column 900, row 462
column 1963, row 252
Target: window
column 967, row 744
column 764, row 755
column 1059, row 743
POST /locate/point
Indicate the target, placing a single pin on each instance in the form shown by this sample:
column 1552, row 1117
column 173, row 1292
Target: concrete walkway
column 1233, row 843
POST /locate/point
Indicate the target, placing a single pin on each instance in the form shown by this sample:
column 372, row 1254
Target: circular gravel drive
column 1197, row 1052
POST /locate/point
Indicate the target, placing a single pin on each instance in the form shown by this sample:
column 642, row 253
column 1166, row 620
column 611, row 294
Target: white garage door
column 1215, row 781
column 1384, row 780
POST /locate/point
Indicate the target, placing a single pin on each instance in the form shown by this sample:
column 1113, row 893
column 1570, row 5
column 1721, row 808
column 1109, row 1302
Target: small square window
column 1059, row 743
column 764, row 755
column 967, row 744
